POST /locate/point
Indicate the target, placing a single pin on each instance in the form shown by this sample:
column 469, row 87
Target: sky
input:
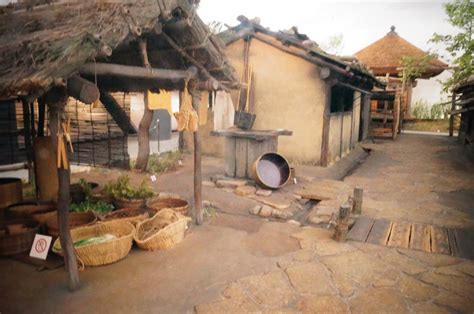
column 360, row 22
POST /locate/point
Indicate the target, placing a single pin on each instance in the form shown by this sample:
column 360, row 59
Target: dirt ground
column 237, row 262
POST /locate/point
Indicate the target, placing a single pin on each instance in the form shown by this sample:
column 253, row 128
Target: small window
column 342, row 99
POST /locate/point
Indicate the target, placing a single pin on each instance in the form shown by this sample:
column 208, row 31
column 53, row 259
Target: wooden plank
column 229, row 158
column 380, row 232
column 420, row 237
column 400, row 235
column 453, row 242
column 465, row 243
column 361, row 229
column 253, row 152
column 439, row 240
column 240, row 157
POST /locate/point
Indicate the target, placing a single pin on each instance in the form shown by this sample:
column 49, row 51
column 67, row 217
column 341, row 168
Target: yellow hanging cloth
column 203, row 107
column 160, row 101
column 187, row 117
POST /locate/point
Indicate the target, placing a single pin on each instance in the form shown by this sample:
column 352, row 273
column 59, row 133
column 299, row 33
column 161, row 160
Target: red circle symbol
column 40, row 245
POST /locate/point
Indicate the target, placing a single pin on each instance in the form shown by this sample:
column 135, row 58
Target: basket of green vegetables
column 125, row 195
column 100, row 244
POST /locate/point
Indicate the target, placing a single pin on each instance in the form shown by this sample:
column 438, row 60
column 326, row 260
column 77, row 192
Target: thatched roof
column 51, row 43
column 385, row 56
column 301, row 45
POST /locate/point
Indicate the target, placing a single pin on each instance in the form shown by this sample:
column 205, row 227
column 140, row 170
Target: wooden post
column 198, row 214
column 28, row 144
column 342, row 227
column 144, row 136
column 451, row 116
column 357, row 205
column 396, row 116
column 326, row 122
column 55, row 117
column 41, row 116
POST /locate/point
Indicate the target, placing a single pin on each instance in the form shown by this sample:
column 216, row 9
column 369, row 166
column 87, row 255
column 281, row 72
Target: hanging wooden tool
column 244, row 118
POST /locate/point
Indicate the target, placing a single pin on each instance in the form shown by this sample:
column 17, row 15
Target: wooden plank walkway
column 414, row 236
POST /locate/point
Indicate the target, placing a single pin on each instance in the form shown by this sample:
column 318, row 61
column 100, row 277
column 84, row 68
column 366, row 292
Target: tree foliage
column 413, row 67
column 334, row 45
column 460, row 46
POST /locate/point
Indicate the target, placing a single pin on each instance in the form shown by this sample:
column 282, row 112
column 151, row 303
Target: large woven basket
column 16, row 242
column 75, row 220
column 132, row 216
column 106, row 252
column 26, row 210
column 162, row 231
column 175, row 203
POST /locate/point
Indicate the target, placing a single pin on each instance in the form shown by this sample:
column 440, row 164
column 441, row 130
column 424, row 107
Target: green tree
column 414, row 68
column 334, row 45
column 460, row 46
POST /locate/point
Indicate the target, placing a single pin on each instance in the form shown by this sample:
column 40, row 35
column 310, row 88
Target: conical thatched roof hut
column 385, row 56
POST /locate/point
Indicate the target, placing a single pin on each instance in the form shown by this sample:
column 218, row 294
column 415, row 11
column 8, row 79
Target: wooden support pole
column 357, row 205
column 198, row 214
column 28, row 143
column 56, row 111
column 144, row 136
column 41, row 116
column 396, row 116
column 342, row 227
column 326, row 122
column 451, row 116
column 82, row 89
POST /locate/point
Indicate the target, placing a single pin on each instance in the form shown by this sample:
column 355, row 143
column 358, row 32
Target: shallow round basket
column 16, row 236
column 97, row 254
column 271, row 171
column 27, row 210
column 162, row 231
column 130, row 204
column 177, row 204
column 75, row 220
column 132, row 216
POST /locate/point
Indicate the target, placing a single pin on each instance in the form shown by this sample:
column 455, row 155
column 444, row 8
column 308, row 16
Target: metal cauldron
column 271, row 171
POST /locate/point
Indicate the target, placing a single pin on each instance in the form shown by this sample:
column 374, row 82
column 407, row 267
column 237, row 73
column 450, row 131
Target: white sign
column 153, row 178
column 40, row 247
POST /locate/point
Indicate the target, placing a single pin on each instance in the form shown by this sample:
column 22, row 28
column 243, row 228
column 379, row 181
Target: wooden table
column 243, row 147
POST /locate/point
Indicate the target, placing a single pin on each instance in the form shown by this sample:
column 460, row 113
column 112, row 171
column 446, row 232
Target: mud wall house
column 95, row 53
column 297, row 86
column 384, row 57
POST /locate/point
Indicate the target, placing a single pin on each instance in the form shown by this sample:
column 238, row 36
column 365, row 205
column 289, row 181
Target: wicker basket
column 75, row 220
column 130, row 204
column 162, row 231
column 26, row 210
column 15, row 242
column 132, row 216
column 106, row 252
column 177, row 204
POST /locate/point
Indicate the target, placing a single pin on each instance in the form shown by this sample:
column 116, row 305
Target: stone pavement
column 326, row 276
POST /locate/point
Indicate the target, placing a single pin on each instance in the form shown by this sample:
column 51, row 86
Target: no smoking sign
column 40, row 246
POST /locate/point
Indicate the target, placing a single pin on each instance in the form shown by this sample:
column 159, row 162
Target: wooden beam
column 451, row 116
column 108, row 69
column 82, row 89
column 198, row 213
column 117, row 113
column 28, row 144
column 55, row 113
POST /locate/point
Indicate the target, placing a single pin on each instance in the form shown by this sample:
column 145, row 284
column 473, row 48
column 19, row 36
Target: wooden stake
column 358, row 195
column 198, row 214
column 342, row 227
column 56, row 111
column 28, row 144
